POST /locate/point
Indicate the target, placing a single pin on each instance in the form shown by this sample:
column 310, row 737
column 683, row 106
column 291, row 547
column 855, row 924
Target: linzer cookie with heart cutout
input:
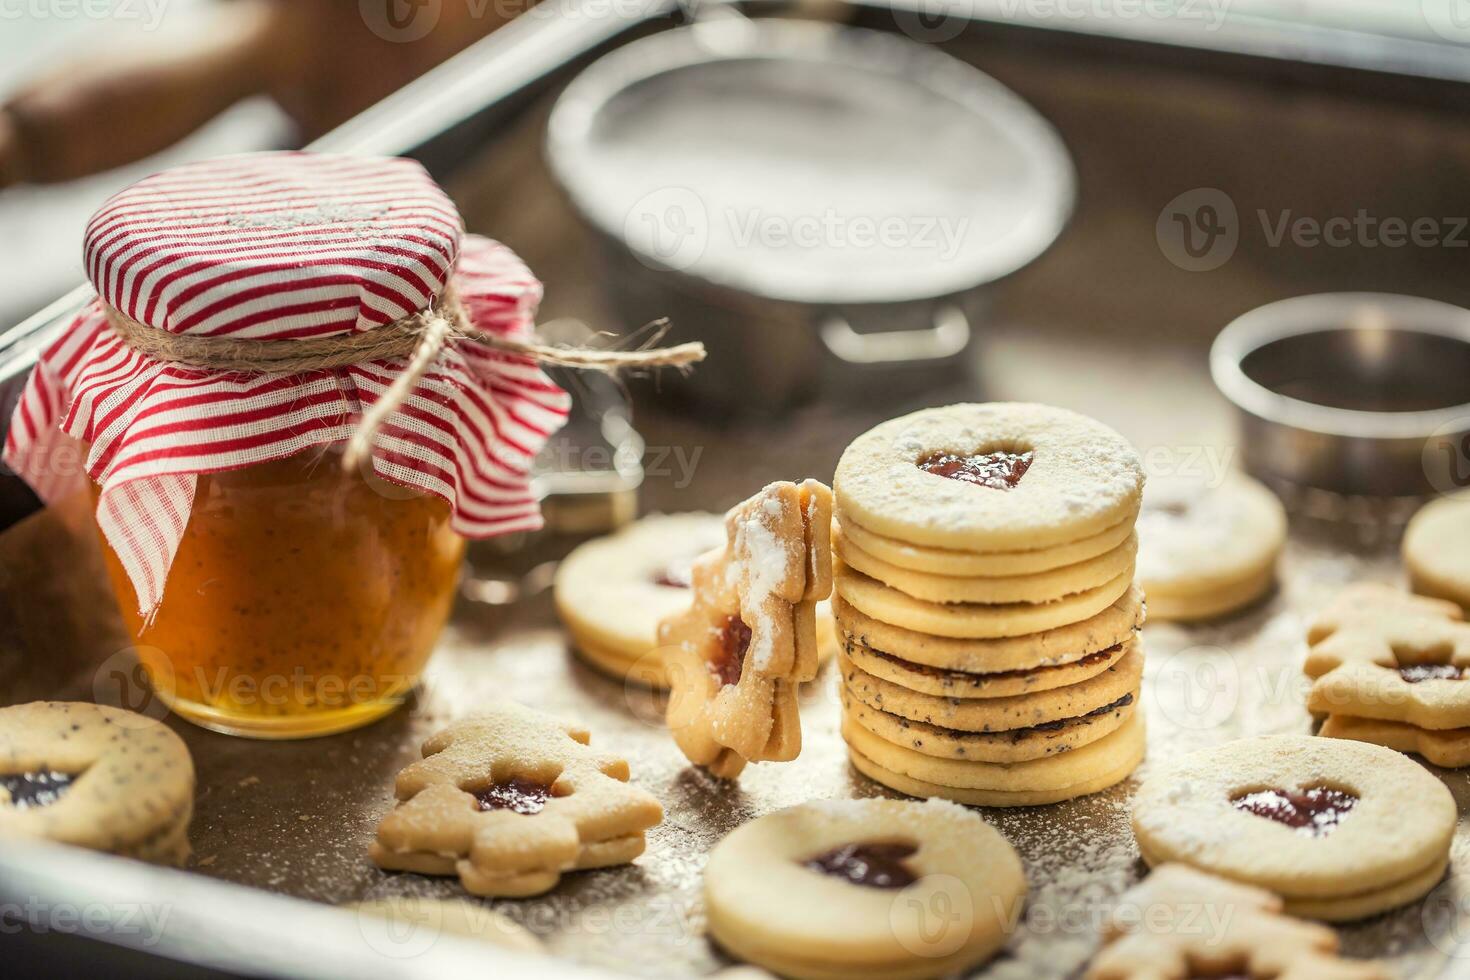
column 1340, row 830
column 96, row 777
column 864, row 888
column 749, row 638
column 510, row 799
column 985, row 597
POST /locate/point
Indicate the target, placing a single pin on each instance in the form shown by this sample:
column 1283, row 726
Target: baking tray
column 292, row 820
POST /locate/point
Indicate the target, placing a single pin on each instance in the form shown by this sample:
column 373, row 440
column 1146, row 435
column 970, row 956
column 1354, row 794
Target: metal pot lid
column 811, row 163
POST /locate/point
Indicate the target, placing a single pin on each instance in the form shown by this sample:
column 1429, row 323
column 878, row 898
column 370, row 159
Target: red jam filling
column 869, row 865
column 999, row 471
column 1314, row 812
column 36, row 789
column 1430, row 672
column 676, row 574
column 523, row 796
column 729, row 658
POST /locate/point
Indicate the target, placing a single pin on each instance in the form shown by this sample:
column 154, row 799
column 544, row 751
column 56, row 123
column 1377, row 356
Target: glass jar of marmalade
column 303, row 599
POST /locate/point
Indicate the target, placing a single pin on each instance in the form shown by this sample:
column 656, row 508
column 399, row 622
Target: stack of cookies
column 983, row 590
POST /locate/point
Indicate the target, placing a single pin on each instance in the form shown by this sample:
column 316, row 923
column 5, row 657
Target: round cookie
column 847, row 888
column 999, row 714
column 1065, row 644
column 1036, row 587
column 651, row 669
column 963, row 684
column 1016, row 745
column 613, row 591
column 398, row 920
column 971, row 620
column 1437, row 549
column 996, row 564
column 1204, row 552
column 1089, row 769
column 648, row 670
column 1266, row 811
column 1212, row 603
column 96, row 777
column 1065, row 477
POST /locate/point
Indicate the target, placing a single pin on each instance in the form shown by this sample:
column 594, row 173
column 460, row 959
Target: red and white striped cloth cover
column 283, row 245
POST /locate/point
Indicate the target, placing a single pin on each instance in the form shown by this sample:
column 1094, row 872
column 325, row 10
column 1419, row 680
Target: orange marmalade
column 303, row 600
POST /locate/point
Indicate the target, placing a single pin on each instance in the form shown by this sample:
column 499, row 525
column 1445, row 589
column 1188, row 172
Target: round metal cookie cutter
column 1358, row 394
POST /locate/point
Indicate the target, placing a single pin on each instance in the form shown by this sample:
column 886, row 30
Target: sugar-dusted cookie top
column 989, row 477
column 616, row 589
column 1437, row 548
column 1380, row 654
column 1194, row 537
column 749, row 635
column 864, row 887
column 509, row 798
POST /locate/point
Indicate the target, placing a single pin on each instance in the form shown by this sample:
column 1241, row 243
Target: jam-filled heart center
column 1417, row 673
column 1314, row 812
column 517, row 794
column 28, row 790
column 872, row 865
column 1000, row 470
column 728, row 658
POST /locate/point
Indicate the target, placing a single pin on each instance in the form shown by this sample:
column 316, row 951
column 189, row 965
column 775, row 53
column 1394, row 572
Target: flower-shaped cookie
column 1376, row 653
column 736, row 656
column 1183, row 923
column 509, row 799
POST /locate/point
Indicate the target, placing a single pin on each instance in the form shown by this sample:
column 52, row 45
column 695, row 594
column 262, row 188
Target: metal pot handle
column 946, row 338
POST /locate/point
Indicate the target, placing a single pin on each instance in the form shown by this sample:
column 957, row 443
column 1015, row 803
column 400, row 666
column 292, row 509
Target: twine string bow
column 420, row 337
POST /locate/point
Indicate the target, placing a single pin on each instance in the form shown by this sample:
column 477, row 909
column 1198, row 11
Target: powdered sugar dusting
column 762, row 559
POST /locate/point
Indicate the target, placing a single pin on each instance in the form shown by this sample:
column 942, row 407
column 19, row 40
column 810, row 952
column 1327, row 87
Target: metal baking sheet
column 294, row 818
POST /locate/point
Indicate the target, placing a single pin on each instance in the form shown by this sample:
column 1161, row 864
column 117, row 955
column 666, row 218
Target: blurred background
column 100, row 92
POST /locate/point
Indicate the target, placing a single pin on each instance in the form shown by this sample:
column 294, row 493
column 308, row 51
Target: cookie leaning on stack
column 983, row 592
